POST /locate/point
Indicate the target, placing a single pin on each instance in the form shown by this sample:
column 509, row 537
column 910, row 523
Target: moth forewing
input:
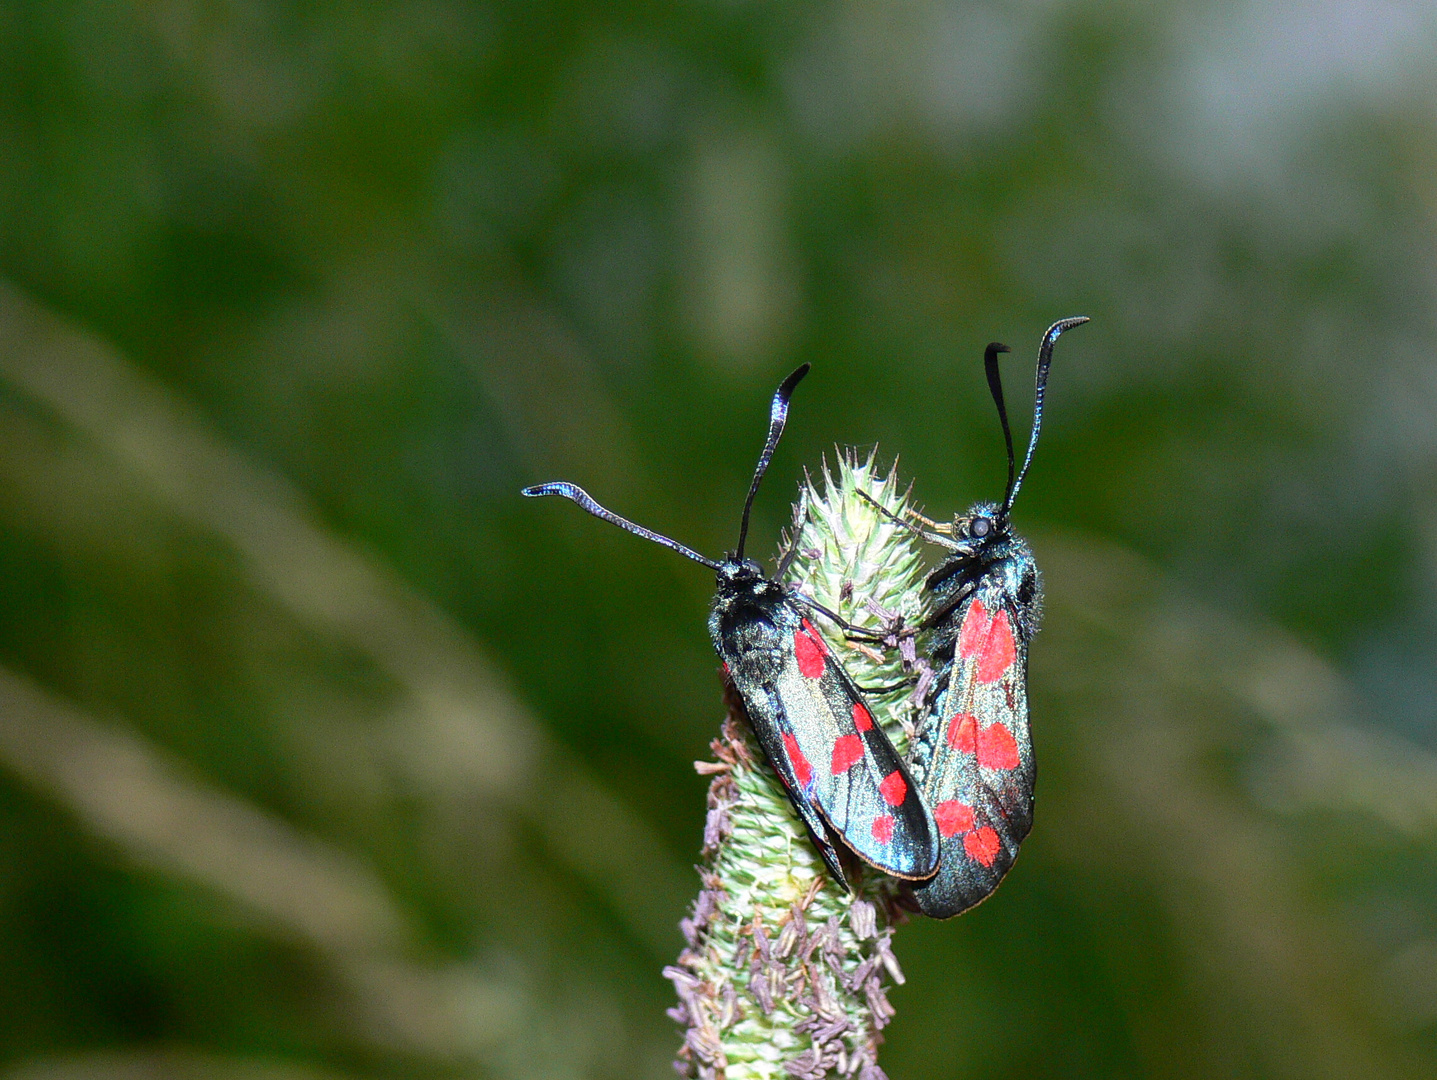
column 853, row 776
column 980, row 774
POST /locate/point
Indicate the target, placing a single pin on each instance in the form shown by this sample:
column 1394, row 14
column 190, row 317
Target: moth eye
column 980, row 527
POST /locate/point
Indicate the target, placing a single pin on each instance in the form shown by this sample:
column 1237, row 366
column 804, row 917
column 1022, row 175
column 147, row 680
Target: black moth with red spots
column 840, row 771
column 973, row 756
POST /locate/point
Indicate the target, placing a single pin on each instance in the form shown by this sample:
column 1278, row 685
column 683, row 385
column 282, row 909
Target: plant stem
column 785, row 974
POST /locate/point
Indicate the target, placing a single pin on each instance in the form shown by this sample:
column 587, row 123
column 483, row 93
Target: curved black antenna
column 777, row 417
column 574, row 493
column 995, row 387
column 1045, row 361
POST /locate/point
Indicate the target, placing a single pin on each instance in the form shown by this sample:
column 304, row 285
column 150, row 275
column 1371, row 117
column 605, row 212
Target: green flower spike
column 785, row 973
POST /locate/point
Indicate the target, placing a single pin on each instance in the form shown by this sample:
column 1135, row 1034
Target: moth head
column 736, row 572
column 982, row 527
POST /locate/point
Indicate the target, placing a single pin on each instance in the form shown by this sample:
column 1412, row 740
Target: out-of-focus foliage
column 323, row 755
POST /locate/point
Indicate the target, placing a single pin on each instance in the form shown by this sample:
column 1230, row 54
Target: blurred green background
column 324, row 755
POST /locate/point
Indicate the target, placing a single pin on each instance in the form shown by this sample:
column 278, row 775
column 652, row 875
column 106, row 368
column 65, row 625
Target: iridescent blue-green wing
column 976, row 764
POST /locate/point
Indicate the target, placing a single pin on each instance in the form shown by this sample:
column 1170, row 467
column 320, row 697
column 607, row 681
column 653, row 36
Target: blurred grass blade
column 314, row 573
column 1155, row 693
column 460, row 732
column 299, row 887
column 171, row 1064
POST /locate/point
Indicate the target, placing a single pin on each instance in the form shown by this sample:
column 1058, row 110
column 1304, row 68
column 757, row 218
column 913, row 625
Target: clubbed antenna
column 777, row 418
column 1045, row 361
column 995, row 386
column 574, row 493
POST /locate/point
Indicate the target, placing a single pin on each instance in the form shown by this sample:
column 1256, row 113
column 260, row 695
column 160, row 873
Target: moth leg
column 851, row 630
column 944, row 528
column 940, row 615
column 934, row 534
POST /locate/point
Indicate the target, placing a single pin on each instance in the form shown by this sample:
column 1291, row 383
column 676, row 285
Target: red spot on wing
column 808, row 647
column 995, row 746
column 983, row 845
column 997, row 749
column 998, row 649
column 812, row 632
column 963, row 733
column 862, row 718
column 953, row 817
column 883, row 828
column 802, row 770
column 847, row 751
column 975, row 629
column 893, row 788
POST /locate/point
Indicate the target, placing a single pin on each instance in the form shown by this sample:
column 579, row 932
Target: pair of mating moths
column 951, row 819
